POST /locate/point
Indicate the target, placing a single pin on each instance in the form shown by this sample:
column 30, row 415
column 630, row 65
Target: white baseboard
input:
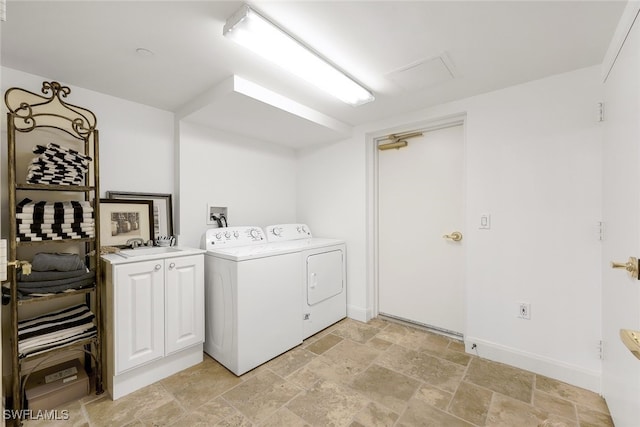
column 149, row 373
column 358, row 313
column 561, row 371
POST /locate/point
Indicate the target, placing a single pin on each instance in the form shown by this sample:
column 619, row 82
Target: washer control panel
column 285, row 232
column 233, row 236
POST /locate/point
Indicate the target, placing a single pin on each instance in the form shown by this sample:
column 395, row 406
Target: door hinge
column 601, row 350
column 600, row 112
column 600, row 230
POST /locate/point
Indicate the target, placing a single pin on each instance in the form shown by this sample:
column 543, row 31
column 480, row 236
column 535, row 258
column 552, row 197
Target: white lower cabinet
column 184, row 303
column 155, row 320
column 138, row 304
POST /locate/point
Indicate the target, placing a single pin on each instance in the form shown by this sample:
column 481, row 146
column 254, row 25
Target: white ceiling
column 411, row 55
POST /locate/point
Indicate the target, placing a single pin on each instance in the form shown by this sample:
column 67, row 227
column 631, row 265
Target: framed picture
column 121, row 220
column 162, row 209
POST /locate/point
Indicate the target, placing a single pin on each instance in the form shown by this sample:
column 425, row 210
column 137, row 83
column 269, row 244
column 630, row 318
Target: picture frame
column 162, row 209
column 122, row 219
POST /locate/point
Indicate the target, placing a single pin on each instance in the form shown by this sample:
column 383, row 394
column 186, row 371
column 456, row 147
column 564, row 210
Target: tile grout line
column 300, row 391
column 373, row 361
column 453, row 395
column 421, row 382
column 178, row 402
column 352, row 329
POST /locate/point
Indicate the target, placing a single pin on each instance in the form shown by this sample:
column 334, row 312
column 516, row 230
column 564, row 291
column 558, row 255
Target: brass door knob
column 631, row 340
column 631, row 266
column 456, row 236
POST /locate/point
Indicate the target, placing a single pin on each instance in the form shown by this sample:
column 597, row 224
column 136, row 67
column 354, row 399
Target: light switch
column 485, row 221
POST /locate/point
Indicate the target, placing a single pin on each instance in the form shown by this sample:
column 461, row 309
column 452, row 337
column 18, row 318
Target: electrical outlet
column 524, row 310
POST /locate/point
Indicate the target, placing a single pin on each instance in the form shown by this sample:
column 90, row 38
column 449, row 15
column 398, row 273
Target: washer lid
column 244, row 253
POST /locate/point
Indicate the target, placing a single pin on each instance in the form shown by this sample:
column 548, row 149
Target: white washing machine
column 323, row 281
column 252, row 298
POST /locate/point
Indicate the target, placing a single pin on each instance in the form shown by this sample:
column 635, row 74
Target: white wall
column 136, row 141
column 255, row 180
column 332, row 201
column 533, row 163
column 136, row 148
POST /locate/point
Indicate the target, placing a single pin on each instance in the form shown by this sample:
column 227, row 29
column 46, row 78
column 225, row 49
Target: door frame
column 621, row 411
column 372, row 223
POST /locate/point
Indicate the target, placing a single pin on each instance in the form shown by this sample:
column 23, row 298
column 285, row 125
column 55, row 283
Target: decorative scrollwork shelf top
column 30, row 110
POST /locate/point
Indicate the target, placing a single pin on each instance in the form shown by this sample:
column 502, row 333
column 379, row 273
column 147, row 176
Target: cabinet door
column 184, row 302
column 139, row 314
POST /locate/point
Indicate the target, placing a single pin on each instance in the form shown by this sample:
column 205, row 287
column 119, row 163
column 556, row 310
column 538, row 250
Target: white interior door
column 621, row 214
column 420, row 199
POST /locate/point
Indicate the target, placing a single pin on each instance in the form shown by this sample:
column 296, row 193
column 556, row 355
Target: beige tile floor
column 353, row 374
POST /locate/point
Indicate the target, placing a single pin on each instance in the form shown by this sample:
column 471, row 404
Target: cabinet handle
column 157, row 267
column 172, row 265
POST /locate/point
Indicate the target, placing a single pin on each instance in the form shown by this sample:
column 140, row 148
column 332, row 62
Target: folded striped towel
column 57, row 165
column 33, row 178
column 55, row 228
column 51, row 344
column 70, row 151
column 46, row 171
column 53, row 180
column 40, row 165
column 61, row 160
column 57, row 218
column 29, row 206
column 55, row 150
column 55, row 329
column 39, row 237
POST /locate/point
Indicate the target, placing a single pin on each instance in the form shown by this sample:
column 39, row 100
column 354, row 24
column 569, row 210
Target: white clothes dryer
column 252, row 298
column 323, row 265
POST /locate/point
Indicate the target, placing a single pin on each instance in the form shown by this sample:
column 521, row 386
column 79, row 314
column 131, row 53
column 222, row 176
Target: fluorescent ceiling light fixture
column 252, row 30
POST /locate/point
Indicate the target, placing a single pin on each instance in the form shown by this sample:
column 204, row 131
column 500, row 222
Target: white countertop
column 163, row 252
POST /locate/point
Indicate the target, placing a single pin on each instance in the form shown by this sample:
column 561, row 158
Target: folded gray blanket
column 44, row 261
column 27, row 288
column 50, row 283
column 42, row 276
